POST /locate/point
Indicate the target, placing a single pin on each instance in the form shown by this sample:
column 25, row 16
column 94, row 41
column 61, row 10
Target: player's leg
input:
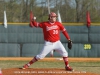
column 51, row 53
column 62, row 51
column 46, row 49
column 29, row 63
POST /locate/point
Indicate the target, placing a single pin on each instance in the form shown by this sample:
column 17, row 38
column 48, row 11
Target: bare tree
column 70, row 10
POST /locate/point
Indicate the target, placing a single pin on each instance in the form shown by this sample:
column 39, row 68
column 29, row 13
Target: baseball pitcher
column 51, row 32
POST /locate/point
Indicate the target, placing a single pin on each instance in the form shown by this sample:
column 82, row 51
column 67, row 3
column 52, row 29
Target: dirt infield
column 31, row 71
column 51, row 59
column 50, row 71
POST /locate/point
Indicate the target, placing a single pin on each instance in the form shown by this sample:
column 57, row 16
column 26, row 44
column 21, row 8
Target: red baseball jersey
column 51, row 31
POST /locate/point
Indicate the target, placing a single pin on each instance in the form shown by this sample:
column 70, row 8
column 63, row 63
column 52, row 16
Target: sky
column 42, row 3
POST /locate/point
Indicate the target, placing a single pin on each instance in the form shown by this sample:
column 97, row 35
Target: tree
column 70, row 10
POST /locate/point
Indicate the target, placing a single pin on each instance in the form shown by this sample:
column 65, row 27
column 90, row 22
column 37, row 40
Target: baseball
column 35, row 18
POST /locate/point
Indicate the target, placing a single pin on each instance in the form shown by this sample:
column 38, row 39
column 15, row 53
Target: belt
column 51, row 41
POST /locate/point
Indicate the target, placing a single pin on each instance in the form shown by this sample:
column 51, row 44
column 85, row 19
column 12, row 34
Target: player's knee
column 65, row 54
column 38, row 57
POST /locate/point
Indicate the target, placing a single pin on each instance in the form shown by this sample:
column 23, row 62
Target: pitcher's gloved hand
column 69, row 44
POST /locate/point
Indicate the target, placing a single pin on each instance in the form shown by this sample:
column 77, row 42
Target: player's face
column 53, row 18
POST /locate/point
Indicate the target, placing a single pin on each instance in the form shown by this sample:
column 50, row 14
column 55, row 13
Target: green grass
column 93, row 67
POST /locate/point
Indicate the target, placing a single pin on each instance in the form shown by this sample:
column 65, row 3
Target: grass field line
column 50, row 59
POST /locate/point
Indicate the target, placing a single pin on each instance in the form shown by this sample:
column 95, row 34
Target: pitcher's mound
column 41, row 71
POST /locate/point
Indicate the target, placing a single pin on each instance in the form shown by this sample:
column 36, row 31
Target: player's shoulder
column 57, row 22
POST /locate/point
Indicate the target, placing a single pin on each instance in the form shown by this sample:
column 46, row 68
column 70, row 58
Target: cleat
column 68, row 68
column 25, row 66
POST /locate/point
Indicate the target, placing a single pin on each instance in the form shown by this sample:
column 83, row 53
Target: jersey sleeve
column 37, row 24
column 62, row 28
column 64, row 31
column 40, row 25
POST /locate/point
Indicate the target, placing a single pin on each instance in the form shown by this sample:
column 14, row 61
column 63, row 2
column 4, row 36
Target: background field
column 89, row 66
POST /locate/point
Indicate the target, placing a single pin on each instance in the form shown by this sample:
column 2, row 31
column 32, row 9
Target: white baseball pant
column 49, row 46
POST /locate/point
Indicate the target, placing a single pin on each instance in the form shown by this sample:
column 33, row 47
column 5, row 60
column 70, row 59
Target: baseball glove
column 69, row 44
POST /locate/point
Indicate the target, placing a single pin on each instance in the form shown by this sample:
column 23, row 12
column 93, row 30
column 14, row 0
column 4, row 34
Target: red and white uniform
column 51, row 33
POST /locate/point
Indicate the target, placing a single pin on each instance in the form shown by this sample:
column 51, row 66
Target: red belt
column 51, row 41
